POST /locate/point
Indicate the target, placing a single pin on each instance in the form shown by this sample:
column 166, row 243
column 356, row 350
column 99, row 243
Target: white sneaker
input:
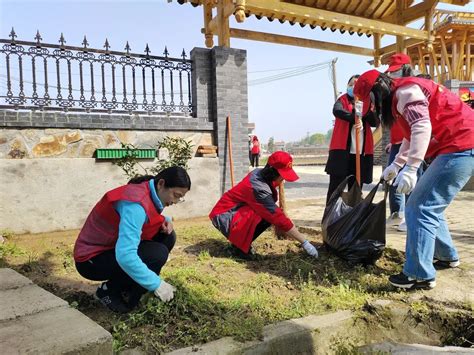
column 402, row 227
column 395, row 219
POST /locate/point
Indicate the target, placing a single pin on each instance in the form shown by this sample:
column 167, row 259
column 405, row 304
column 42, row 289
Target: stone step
column 34, row 321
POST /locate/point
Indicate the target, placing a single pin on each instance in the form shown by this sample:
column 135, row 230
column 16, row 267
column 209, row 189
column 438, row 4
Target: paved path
column 34, row 321
column 312, row 188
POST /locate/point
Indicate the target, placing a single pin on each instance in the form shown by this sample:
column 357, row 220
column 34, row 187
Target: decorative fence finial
column 183, row 55
column 38, row 38
column 166, row 52
column 12, row 35
column 106, row 45
column 127, row 49
column 147, row 50
column 85, row 43
column 62, row 40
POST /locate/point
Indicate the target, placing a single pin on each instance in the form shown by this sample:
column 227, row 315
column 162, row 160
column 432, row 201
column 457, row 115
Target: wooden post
column 282, row 203
column 229, row 143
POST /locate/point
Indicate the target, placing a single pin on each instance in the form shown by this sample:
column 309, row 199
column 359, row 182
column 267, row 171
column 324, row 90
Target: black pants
column 335, row 181
column 255, row 160
column 154, row 253
column 260, row 228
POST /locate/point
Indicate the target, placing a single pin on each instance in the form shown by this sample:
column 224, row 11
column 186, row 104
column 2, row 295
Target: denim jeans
column 428, row 236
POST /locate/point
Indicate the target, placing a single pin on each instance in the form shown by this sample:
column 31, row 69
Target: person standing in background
column 342, row 149
column 255, row 151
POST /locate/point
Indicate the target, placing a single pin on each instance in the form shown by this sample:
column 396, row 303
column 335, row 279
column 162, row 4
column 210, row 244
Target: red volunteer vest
column 452, row 121
column 100, row 231
column 396, row 133
column 341, row 131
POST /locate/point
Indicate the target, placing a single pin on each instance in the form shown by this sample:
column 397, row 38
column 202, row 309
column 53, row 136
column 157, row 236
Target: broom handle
column 357, row 142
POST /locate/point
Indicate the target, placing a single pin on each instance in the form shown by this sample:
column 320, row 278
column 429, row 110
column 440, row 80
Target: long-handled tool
column 358, row 114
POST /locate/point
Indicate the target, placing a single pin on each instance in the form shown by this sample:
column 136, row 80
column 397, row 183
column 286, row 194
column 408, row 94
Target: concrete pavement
column 34, row 321
column 312, row 186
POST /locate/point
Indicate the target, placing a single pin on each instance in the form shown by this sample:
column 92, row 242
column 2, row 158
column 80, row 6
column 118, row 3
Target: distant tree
column 271, row 145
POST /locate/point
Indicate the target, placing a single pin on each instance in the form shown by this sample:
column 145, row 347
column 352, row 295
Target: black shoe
column 251, row 255
column 111, row 299
column 444, row 264
column 407, row 283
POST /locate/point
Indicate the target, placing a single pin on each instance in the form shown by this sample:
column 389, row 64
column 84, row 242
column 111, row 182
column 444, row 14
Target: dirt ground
column 283, row 284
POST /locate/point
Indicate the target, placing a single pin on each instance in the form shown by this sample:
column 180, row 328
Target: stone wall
column 32, row 143
column 43, row 195
column 50, row 180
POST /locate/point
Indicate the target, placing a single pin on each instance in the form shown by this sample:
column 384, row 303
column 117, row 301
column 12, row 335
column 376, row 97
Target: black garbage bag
column 353, row 227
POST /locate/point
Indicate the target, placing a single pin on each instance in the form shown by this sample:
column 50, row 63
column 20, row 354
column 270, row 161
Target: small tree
column 179, row 149
column 271, row 145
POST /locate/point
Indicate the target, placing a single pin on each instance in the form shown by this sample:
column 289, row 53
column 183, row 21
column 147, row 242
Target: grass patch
column 217, row 295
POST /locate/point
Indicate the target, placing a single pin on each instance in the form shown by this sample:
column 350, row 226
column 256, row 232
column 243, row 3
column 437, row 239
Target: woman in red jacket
column 246, row 210
column 342, row 149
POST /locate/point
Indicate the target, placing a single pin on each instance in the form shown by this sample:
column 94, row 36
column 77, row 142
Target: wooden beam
column 412, row 13
column 377, row 61
column 318, row 16
column 300, row 42
column 223, row 23
column 392, row 48
column 468, row 61
column 228, row 10
column 435, row 61
column 444, row 53
column 421, row 60
column 209, row 40
column 459, row 69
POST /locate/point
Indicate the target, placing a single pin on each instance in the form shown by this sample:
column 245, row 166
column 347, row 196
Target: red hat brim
column 393, row 68
column 288, row 174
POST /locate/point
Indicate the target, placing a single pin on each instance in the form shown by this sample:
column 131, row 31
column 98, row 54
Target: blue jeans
column 396, row 200
column 428, row 236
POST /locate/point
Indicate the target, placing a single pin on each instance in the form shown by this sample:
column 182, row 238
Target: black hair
column 407, row 70
column 424, row 76
column 174, row 176
column 381, row 95
column 356, row 76
column 269, row 173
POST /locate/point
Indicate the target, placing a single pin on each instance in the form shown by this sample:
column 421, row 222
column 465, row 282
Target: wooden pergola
column 441, row 47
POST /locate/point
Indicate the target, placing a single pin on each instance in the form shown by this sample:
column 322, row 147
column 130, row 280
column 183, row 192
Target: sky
column 286, row 109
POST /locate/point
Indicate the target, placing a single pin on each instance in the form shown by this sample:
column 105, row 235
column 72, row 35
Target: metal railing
column 40, row 76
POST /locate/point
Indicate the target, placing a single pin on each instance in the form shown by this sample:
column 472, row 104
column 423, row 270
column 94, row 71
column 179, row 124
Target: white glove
column 390, row 172
column 406, row 180
column 165, row 291
column 309, row 248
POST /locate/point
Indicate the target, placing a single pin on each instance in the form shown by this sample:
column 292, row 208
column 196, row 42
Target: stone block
column 26, row 300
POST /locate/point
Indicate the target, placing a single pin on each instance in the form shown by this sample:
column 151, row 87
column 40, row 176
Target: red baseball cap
column 396, row 61
column 363, row 86
column 283, row 163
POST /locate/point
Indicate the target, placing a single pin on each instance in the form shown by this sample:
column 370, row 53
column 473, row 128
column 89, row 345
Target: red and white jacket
column 242, row 208
column 451, row 120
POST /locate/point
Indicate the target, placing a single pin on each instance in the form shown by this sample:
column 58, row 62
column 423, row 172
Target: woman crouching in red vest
column 125, row 240
column 246, row 210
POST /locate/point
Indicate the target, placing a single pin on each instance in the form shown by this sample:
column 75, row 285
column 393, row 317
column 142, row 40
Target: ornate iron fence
column 42, row 76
